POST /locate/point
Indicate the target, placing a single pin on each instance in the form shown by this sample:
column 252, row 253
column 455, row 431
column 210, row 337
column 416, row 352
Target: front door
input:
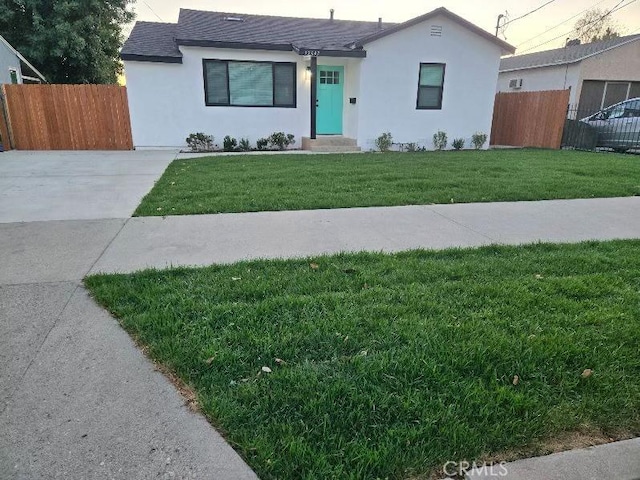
column 330, row 97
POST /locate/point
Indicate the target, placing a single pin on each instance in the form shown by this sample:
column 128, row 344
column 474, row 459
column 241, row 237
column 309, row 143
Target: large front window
column 249, row 84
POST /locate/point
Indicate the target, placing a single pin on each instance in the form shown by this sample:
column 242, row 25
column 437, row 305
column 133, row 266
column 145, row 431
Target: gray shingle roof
column 159, row 41
column 152, row 39
column 312, row 33
column 562, row 56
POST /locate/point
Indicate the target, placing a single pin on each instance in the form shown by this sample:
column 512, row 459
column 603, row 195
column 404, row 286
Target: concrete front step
column 334, row 149
column 330, row 143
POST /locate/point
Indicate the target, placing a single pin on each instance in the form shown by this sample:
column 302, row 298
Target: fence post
column 5, row 126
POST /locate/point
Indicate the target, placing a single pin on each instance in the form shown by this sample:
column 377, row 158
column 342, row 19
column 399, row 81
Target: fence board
column 68, row 117
column 530, row 119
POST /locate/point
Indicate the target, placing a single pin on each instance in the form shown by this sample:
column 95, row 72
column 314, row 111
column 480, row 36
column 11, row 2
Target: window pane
column 429, row 97
column 250, row 83
column 336, row 77
column 431, row 75
column 285, row 84
column 217, row 86
column 615, row 92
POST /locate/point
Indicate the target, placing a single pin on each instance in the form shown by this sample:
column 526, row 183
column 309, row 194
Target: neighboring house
column 14, row 68
column 251, row 75
column 599, row 74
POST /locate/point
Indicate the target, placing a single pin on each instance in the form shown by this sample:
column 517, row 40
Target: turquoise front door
column 330, row 100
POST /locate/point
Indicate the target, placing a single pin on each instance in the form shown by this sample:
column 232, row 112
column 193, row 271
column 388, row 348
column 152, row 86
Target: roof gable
column 434, row 13
column 563, row 56
column 22, row 59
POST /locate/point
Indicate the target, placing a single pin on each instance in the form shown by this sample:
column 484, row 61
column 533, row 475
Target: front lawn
column 364, row 366
column 295, row 182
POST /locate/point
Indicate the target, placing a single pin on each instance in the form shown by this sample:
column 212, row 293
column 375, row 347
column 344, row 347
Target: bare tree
column 596, row 25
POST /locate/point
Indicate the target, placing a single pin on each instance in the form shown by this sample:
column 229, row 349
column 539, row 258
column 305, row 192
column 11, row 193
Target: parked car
column 618, row 126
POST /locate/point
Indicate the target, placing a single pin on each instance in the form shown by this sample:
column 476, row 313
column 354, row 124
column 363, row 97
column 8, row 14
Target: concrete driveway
column 42, row 186
column 78, row 399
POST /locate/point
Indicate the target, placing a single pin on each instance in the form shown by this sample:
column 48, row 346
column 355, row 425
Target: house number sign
column 311, row 53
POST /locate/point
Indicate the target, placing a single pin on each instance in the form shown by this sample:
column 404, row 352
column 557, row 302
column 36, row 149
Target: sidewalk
column 205, row 239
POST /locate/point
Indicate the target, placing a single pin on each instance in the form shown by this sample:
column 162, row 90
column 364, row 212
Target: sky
column 528, row 34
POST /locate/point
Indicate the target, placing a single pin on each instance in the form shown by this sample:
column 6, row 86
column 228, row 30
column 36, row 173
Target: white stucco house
column 14, row 68
column 250, row 75
column 599, row 74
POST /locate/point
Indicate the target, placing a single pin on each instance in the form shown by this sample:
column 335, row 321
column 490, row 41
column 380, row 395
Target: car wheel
column 620, row 150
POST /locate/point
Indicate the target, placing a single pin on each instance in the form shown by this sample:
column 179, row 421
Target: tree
column 595, row 25
column 69, row 41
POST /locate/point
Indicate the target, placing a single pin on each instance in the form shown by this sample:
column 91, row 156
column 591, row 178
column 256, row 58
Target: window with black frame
column 234, row 83
column 430, row 86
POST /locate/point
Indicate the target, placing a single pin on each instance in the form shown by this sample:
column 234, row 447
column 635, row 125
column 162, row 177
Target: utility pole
column 500, row 17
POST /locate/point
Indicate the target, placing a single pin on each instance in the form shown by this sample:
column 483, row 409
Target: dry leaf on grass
column 266, row 369
column 314, row 266
column 279, row 361
column 516, row 380
column 586, row 373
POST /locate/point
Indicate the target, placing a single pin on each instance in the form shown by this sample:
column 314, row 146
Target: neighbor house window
column 430, row 86
column 249, row 84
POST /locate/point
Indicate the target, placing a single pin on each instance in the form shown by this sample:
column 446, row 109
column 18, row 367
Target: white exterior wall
column 544, row 78
column 167, row 103
column 166, row 100
column 389, row 85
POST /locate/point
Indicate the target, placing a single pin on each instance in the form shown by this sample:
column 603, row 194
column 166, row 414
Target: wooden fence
column 530, row 119
column 68, row 117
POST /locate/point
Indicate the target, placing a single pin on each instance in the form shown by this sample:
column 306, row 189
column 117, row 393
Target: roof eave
column 133, row 57
column 235, row 45
column 546, row 65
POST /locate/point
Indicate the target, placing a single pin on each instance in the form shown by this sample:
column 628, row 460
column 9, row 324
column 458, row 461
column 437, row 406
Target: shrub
column 412, row 147
column 384, row 142
column 244, row 145
column 262, row 143
column 280, row 140
column 458, row 143
column 229, row 144
column 199, row 142
column 440, row 140
column 478, row 140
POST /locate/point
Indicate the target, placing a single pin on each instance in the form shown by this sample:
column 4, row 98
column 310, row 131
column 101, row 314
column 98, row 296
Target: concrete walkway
column 79, row 400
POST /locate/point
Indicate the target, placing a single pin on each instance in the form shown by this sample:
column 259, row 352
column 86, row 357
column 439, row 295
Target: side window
column 633, row 109
column 13, row 75
column 430, row 86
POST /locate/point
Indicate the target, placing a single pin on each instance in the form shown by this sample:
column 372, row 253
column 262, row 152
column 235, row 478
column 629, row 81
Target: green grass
column 293, row 182
column 397, row 363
